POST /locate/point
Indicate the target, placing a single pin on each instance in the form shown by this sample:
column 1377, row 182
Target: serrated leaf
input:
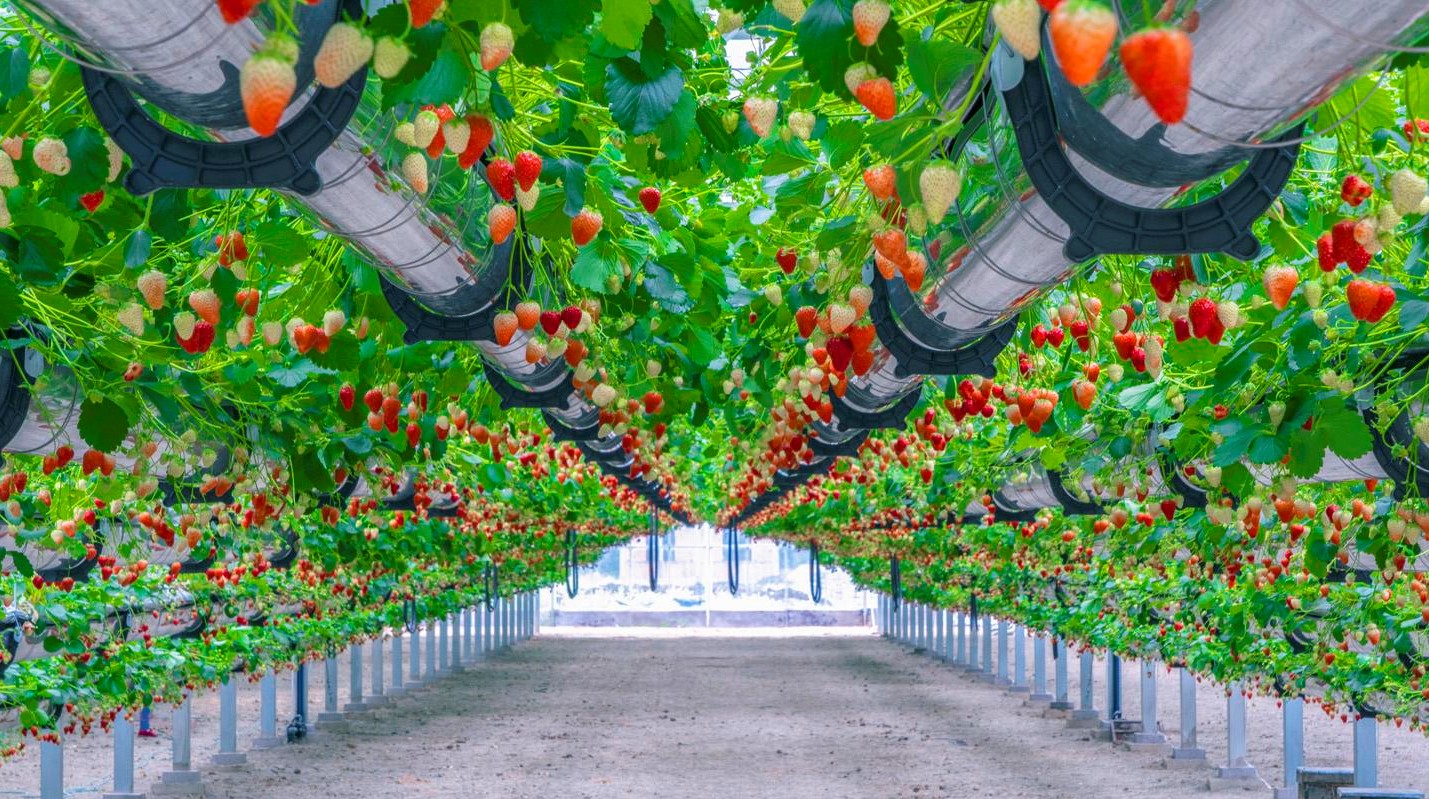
column 137, row 249
column 591, row 267
column 557, row 19
column 102, row 424
column 639, row 103
column 826, row 43
column 660, row 284
column 10, row 307
column 291, row 376
column 937, row 64
column 1345, row 432
column 623, row 21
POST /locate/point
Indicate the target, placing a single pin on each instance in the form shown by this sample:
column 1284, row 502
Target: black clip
column 1071, row 506
column 512, row 397
column 560, row 431
column 894, row 417
column 425, row 325
column 847, row 449
column 976, row 358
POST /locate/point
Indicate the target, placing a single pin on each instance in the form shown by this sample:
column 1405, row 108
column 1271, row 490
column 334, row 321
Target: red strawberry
column 807, row 318
column 414, row 434
column 235, row 11
column 880, row 181
column 550, row 322
column 1166, row 283
column 840, row 353
column 1325, row 251
column 1369, row 301
column 653, row 402
column 877, row 95
column 1355, row 190
column 1082, row 34
column 650, row 199
column 1158, row 61
column 585, row 226
column 571, row 316
column 869, row 17
column 373, row 399
column 1280, row 283
column 1343, row 237
column 1181, row 328
column 528, row 169
column 1049, row 5
column 1359, row 258
column 787, row 260
column 347, row 395
column 502, row 176
column 422, row 11
column 1203, row 316
column 92, row 200
column 481, row 135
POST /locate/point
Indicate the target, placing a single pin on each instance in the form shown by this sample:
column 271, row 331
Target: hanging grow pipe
column 1035, row 224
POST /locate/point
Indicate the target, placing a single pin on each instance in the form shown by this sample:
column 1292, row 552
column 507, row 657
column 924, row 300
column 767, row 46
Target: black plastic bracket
column 847, row 449
column 284, row 558
column 77, row 569
column 14, row 395
column 1101, row 225
column 560, row 431
column 894, row 417
column 1071, row 506
column 1191, row 496
column 1402, row 471
column 513, row 397
column 165, row 159
column 425, row 325
column 976, row 358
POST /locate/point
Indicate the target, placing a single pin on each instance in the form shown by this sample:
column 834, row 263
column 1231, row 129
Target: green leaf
column 557, row 19
column 623, row 21
column 280, row 244
column 102, row 424
column 937, row 64
column 826, row 42
column 310, row 474
column 639, row 103
column 40, row 258
column 443, row 82
column 842, row 141
column 10, row 307
column 294, row 375
column 1345, row 430
column 136, row 251
column 702, row 346
column 663, row 288
column 1412, row 314
column 14, row 73
column 89, row 161
column 592, row 266
column 1307, row 452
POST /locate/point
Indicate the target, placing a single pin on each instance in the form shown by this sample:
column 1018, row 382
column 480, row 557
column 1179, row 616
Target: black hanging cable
column 731, row 560
column 895, row 579
column 493, row 587
column 816, row 575
column 652, row 550
column 573, row 568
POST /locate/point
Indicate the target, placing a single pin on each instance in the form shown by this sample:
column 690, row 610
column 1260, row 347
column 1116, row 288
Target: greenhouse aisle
column 818, row 717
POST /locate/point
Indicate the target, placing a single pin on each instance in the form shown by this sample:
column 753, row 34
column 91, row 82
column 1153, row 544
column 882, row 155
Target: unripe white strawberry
column 1421, row 429
column 1020, row 23
column 841, row 317
column 5, row 219
column 389, row 56
column 245, row 329
column 116, row 160
column 860, row 297
column 345, row 49
column 9, row 179
column 1228, row 312
column 425, row 128
column 131, row 316
column 457, row 134
column 497, row 41
column 406, row 133
column 603, row 395
column 939, row 185
column 184, row 323
column 1407, row 190
column 527, row 199
column 801, row 123
column 52, row 156
column 652, row 368
column 414, row 169
column 793, row 9
column 760, row 113
column 727, row 22
column 857, row 74
column 334, row 321
column 272, row 333
column 774, row 294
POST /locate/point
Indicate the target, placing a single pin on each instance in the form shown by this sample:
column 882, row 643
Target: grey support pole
column 379, row 693
column 468, row 617
column 1039, row 670
column 940, row 633
column 1019, row 660
column 331, row 717
column 354, row 680
column 972, row 663
column 1187, row 749
column 430, row 674
column 1063, row 699
column 1150, row 732
column 399, row 672
column 123, row 761
column 1086, row 716
column 1293, row 724
column 182, row 780
column 962, row 650
column 1002, row 664
column 456, row 640
column 488, row 618
column 1113, row 687
column 443, row 644
column 52, row 770
column 1366, row 752
column 228, row 754
column 1237, row 765
column 414, row 675
column 987, row 647
column 268, row 713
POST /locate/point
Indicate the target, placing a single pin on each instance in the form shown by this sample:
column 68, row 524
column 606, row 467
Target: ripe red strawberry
column 1355, row 190
column 528, row 314
column 1049, row 5
column 893, row 245
column 1181, row 328
column 235, row 11
column 504, row 325
column 840, row 353
column 267, row 83
column 247, row 301
column 650, row 199
column 550, row 322
column 500, row 221
column 423, row 11
column 92, row 200
column 1359, row 258
column 481, row 135
column 1203, row 317
column 414, row 434
column 1166, row 283
column 877, row 95
column 1082, row 34
column 1325, row 251
column 880, row 181
column 373, row 399
column 200, row 340
column 1369, row 301
column 653, row 402
column 787, row 260
column 571, row 316
column 1279, row 283
column 1158, row 61
column 528, row 169
column 232, row 247
column 807, row 318
column 1342, row 236
column 585, row 226
column 501, row 174
column 869, row 17
column 347, row 395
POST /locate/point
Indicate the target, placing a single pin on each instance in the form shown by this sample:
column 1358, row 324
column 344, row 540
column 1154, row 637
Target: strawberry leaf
column 639, row 103
column 102, row 424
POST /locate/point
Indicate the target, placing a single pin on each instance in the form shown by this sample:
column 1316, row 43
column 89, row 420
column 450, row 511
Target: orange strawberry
column 892, row 244
column 1082, row 34
column 152, row 285
column 1084, row 392
column 1158, row 61
column 423, row 11
column 914, row 270
column 869, row 17
column 886, row 267
column 878, row 97
column 880, row 181
column 504, row 324
column 267, row 83
column 1280, row 283
column 205, row 304
column 501, row 220
column 585, row 226
column 528, row 314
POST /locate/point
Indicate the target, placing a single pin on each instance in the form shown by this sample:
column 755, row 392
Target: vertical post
column 354, row 679
column 469, row 619
column 1039, row 670
column 182, row 779
column 1063, row 697
column 536, row 614
column 228, row 754
column 1150, row 732
column 962, row 651
column 1366, row 752
column 488, row 618
column 379, row 694
column 1293, row 724
column 1002, row 664
column 1086, row 716
column 987, row 646
column 267, row 713
column 1019, row 660
column 123, row 760
column 1113, row 687
column 972, row 661
column 398, row 670
column 414, row 676
column 443, row 661
column 1237, row 765
column 939, row 632
column 299, row 725
column 1188, row 749
column 430, row 674
column 52, row 771
column 455, row 658
column 331, row 717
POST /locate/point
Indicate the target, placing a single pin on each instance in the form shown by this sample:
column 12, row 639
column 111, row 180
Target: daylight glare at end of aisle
column 1100, row 315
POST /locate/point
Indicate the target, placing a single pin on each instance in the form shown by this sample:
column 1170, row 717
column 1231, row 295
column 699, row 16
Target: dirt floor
column 739, row 714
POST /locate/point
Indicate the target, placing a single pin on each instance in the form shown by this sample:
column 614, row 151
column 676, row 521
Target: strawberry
column 840, row 353
column 9, row 179
column 425, row 128
column 880, row 181
column 457, row 135
column 1342, row 235
column 527, row 198
column 528, row 313
column 500, row 221
column 1020, row 23
column 1158, row 61
column 760, row 113
column 550, row 322
column 1084, row 392
column 1354, row 190
column 235, row 11
column 869, row 17
column 585, row 226
column 877, row 95
column 267, row 82
column 1325, row 252
column 1359, row 258
column 841, row 317
column 801, row 124
column 914, row 269
column 1082, row 34
column 201, row 338
column 497, row 41
column 1407, row 191
column 131, row 316
column 247, row 301
column 650, row 199
column 347, row 395
column 423, row 11
column 807, row 319
column 232, row 248
column 92, row 200
column 1279, row 283
column 152, row 285
column 481, row 135
column 893, row 245
column 414, row 169
column 389, row 57
column 858, row 73
column 528, row 169
column 1369, row 301
column 793, row 9
column 52, row 156
column 504, row 325
column 205, row 303
column 345, row 49
column 787, row 260
column 373, row 399
column 939, row 184
column 1166, row 283
column 1203, row 317
column 571, row 317
column 502, row 177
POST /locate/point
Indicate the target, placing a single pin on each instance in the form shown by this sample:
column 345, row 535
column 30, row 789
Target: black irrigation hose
column 816, row 575
column 652, row 556
column 731, row 560
column 573, row 569
column 493, row 587
column 895, row 580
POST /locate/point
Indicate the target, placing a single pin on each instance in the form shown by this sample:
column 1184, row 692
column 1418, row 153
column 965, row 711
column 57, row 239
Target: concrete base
column 1054, row 713
column 268, row 743
column 1379, row 793
column 1217, row 784
column 1148, row 738
column 1184, row 759
column 178, row 783
column 1149, row 749
column 1193, row 754
column 123, row 796
column 1019, row 689
column 330, row 722
column 377, row 701
column 1084, row 720
column 355, row 708
column 1323, row 783
column 229, row 759
column 1068, row 706
column 1041, row 699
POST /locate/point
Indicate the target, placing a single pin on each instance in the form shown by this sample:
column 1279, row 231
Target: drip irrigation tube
column 573, row 568
column 731, row 560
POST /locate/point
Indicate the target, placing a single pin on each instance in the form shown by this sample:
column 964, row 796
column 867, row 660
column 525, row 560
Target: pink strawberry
column 585, row 226
column 869, row 17
column 504, row 325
